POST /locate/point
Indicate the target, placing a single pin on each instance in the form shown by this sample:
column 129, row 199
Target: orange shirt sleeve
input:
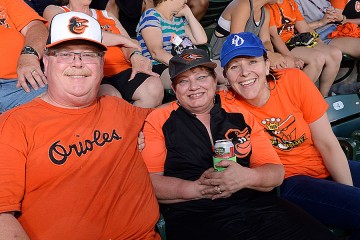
column 339, row 3
column 154, row 153
column 12, row 166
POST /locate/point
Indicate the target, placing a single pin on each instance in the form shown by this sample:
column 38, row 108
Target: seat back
column 214, row 11
column 344, row 114
column 349, row 63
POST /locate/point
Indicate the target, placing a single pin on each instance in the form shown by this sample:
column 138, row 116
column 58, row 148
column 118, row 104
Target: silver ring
column 218, row 189
column 33, row 71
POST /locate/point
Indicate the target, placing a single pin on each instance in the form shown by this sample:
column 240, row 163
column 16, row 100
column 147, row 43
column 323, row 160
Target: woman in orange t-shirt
column 318, row 177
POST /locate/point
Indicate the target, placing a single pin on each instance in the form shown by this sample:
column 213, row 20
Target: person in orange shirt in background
column 322, row 62
column 23, row 37
column 292, row 112
column 72, row 169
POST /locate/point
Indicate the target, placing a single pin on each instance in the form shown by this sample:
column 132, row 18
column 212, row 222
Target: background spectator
column 325, row 22
column 166, row 30
column 322, row 62
column 23, row 38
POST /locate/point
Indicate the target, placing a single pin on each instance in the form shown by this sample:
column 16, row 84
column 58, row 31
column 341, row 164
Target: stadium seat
column 160, row 226
column 348, row 63
column 344, row 117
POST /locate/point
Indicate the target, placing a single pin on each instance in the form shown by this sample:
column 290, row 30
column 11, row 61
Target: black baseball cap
column 188, row 59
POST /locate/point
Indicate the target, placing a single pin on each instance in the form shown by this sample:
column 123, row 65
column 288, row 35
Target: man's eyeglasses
column 69, row 57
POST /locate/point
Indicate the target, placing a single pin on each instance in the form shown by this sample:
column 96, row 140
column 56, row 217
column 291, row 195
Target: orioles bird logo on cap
column 190, row 57
column 77, row 25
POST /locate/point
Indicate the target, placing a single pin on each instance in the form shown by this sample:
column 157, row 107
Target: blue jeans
column 332, row 203
column 11, row 97
column 324, row 34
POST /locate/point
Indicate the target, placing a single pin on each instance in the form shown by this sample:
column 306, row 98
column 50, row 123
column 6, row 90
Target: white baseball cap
column 70, row 26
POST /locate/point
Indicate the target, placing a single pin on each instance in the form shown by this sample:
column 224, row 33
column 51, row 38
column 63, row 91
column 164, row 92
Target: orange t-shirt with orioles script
column 77, row 173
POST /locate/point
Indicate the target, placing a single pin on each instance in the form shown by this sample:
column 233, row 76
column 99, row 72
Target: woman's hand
column 299, row 63
column 184, row 12
column 224, row 183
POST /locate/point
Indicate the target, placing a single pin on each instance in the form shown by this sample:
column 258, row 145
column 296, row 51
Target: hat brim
column 246, row 52
column 206, row 64
column 100, row 45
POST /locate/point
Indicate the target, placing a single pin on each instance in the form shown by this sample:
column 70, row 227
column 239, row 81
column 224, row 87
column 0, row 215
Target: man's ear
column 45, row 60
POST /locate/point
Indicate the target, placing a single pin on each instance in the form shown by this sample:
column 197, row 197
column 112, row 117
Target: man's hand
column 141, row 64
column 29, row 71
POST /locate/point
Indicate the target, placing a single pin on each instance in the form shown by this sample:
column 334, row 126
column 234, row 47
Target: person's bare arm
column 173, row 190
column 278, row 42
column 10, row 228
column 330, row 150
column 240, row 14
column 154, row 42
column 50, row 11
column 276, row 59
column 194, row 30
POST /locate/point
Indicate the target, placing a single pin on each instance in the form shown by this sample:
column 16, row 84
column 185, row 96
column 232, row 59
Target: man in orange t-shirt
column 23, row 37
column 72, row 169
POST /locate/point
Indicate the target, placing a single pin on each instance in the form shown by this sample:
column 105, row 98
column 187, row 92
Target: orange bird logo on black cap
column 77, row 25
column 190, row 57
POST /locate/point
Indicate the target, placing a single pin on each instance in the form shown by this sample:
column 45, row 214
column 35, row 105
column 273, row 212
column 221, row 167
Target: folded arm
column 174, row 190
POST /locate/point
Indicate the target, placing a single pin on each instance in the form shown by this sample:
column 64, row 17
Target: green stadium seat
column 344, row 117
column 348, row 63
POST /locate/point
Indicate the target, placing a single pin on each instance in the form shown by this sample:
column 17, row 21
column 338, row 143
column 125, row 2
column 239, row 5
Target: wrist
column 136, row 52
column 343, row 19
column 29, row 50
